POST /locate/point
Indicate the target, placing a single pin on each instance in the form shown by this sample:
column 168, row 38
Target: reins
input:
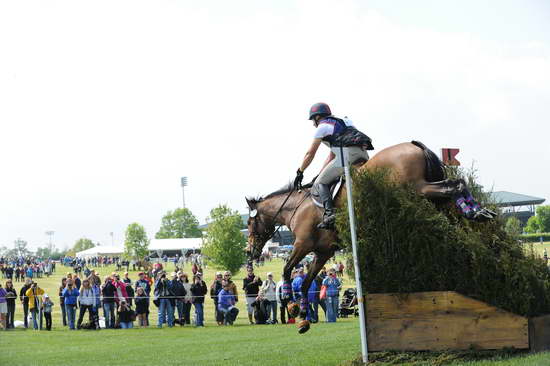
column 275, row 231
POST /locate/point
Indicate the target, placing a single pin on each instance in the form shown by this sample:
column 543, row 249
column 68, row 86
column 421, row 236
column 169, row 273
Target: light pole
column 112, row 238
column 50, row 234
column 183, row 185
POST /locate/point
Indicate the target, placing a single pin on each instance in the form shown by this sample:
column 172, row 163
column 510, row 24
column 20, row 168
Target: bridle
column 269, row 234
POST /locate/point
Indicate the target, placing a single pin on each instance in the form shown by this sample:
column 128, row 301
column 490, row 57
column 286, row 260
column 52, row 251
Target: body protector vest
column 346, row 136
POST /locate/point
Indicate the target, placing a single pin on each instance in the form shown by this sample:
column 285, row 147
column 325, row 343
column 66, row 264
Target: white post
column 351, row 212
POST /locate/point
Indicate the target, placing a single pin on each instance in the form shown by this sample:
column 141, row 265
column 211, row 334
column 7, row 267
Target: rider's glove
column 298, row 179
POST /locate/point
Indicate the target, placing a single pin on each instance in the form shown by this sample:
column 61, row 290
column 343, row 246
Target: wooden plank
column 539, row 333
column 440, row 321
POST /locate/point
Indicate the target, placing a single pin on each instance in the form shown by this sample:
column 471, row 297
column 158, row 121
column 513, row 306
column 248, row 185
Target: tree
column 543, row 214
column 20, row 248
column 136, row 243
column 513, row 227
column 180, row 223
column 533, row 225
column 43, row 252
column 224, row 243
column 82, row 244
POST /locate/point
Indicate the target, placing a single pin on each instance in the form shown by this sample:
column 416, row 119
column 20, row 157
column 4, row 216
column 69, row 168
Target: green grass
column 325, row 344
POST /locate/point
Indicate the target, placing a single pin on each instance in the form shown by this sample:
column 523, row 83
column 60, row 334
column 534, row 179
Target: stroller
column 348, row 305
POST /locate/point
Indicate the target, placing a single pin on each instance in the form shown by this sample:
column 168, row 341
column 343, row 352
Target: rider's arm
column 310, row 154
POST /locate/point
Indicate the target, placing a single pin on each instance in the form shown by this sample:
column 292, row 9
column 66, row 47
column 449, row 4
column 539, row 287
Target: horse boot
column 286, row 290
column 329, row 216
column 304, row 324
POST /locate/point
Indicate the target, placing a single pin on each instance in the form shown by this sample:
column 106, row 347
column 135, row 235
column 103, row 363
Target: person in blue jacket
column 70, row 294
column 333, row 290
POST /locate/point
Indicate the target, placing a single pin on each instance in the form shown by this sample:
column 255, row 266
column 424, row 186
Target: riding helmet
column 319, row 109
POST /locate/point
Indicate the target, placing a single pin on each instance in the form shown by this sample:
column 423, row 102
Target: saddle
column 334, row 189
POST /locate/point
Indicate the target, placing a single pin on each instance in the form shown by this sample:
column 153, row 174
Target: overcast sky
column 104, row 105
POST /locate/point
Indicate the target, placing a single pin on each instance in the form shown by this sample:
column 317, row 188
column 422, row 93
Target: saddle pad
column 334, row 189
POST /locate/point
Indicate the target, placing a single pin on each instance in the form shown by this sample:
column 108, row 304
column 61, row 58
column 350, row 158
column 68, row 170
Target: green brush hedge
column 406, row 244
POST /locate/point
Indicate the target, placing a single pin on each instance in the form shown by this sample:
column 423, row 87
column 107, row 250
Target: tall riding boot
column 329, row 215
column 250, row 319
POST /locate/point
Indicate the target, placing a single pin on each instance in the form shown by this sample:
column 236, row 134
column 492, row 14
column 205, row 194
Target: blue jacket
column 225, row 299
column 297, row 286
column 70, row 296
column 333, row 285
column 312, row 295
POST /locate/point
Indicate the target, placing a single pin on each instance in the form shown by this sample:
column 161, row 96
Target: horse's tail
column 435, row 171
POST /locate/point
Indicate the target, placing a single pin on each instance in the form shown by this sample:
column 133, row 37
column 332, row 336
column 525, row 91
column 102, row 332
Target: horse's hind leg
column 443, row 189
column 457, row 191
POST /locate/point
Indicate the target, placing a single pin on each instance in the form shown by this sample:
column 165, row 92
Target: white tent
column 175, row 244
column 108, row 250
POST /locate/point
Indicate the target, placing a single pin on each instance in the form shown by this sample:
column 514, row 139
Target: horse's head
column 260, row 229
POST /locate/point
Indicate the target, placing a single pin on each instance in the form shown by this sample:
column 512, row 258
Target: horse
column 408, row 163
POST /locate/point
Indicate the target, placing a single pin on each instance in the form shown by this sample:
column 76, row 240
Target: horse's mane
column 287, row 188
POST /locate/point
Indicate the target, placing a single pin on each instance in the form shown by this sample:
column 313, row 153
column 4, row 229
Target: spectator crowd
column 123, row 301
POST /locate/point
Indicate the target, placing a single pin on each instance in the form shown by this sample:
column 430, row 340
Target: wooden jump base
column 447, row 320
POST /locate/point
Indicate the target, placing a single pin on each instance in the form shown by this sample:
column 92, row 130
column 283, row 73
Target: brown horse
column 409, row 162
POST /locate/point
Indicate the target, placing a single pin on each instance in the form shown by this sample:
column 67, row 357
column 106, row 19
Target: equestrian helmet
column 319, row 109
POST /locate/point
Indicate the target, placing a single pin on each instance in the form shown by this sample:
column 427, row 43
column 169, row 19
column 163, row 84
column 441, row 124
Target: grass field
column 243, row 344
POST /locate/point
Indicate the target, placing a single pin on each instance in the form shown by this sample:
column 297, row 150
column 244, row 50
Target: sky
column 105, row 105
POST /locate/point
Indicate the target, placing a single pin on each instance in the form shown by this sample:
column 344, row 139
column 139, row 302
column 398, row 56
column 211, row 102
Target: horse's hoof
column 303, row 326
column 293, row 309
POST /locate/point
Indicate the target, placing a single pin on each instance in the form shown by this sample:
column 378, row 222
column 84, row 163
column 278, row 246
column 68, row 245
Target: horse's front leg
column 318, row 262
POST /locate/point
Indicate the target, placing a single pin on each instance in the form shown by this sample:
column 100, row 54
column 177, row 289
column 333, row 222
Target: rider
column 335, row 133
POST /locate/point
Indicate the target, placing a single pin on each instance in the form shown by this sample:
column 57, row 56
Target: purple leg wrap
column 286, row 290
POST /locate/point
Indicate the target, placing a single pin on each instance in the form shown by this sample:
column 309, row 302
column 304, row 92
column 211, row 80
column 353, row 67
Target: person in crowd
column 313, row 302
column 94, row 278
column 70, row 294
column 126, row 279
column 77, row 281
column 62, row 301
column 87, row 301
column 282, row 301
column 125, row 315
column 179, row 292
column 231, row 284
column 226, row 304
column 142, row 307
column 34, row 294
column 297, row 284
column 215, row 289
column 108, row 292
column 120, row 286
column 130, row 292
column 187, row 299
column 269, row 288
column 199, row 290
column 3, row 308
column 163, row 293
column 25, row 300
column 11, row 296
column 251, row 287
column 143, row 282
column 260, row 306
column 333, row 290
column 47, row 306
